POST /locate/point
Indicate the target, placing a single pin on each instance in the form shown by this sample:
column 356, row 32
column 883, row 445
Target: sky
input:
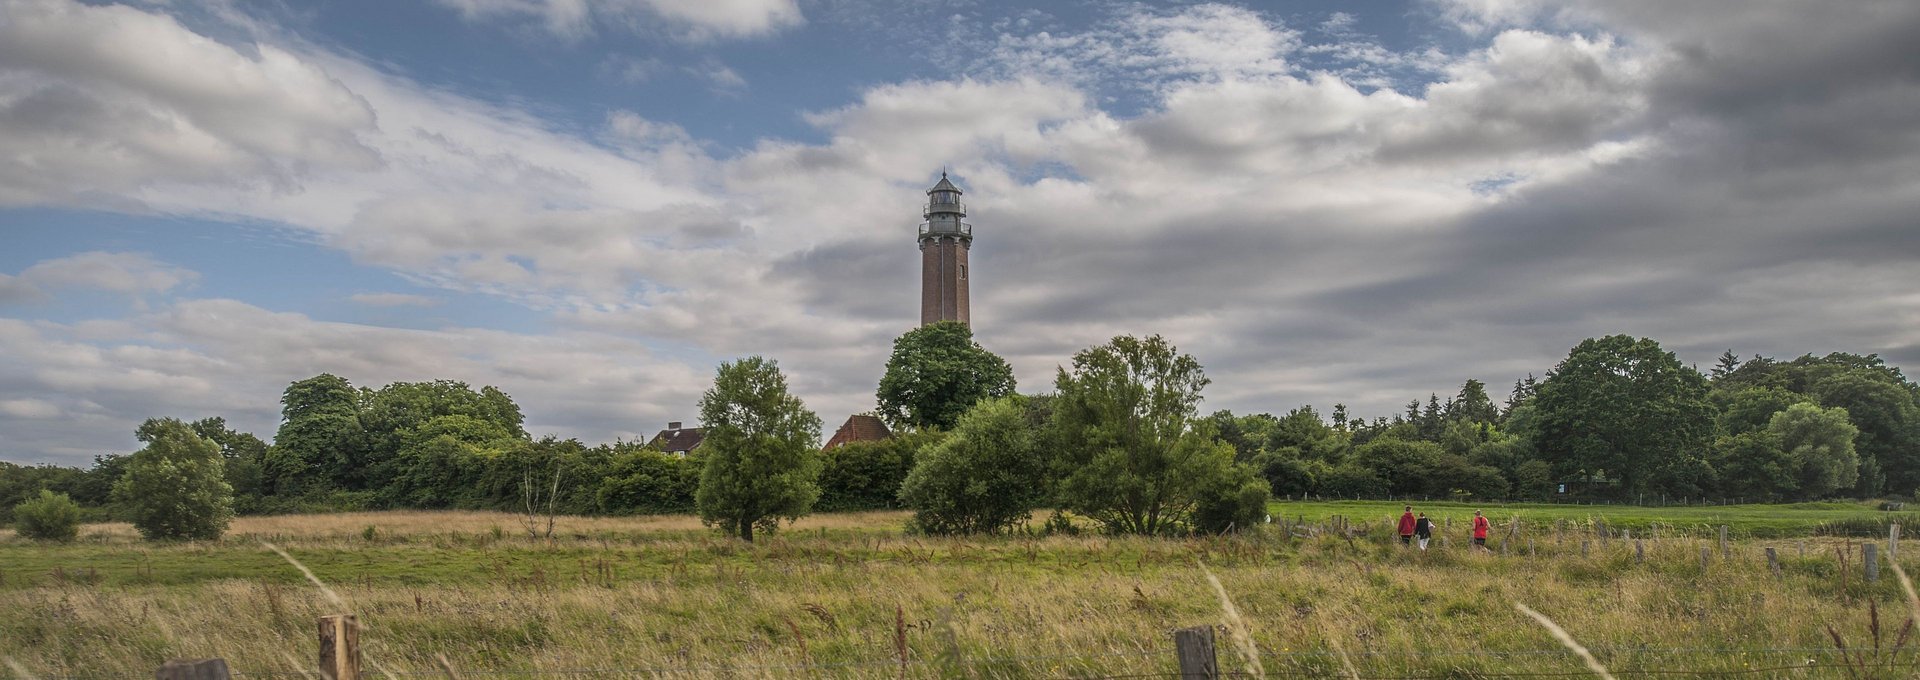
column 591, row 204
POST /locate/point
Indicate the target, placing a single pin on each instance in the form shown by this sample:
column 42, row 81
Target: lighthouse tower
column 944, row 240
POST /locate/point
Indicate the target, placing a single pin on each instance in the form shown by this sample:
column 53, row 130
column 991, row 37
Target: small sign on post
column 1194, row 647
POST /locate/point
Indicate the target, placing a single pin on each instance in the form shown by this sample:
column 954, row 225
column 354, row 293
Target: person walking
column 1480, row 526
column 1406, row 527
column 1423, row 530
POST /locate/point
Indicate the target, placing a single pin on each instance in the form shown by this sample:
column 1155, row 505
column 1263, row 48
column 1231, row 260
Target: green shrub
column 867, row 475
column 1234, row 502
column 981, row 479
column 176, row 486
column 49, row 517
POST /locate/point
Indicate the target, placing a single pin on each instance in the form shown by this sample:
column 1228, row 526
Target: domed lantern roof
column 944, row 185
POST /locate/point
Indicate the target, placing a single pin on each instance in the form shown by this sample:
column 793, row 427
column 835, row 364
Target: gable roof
column 859, row 428
column 679, row 440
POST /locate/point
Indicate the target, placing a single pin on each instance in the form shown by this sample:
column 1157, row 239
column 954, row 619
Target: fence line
column 978, row 661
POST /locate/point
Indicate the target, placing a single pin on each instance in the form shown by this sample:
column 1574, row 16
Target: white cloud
column 129, row 273
column 1312, row 238
column 29, row 409
column 694, row 20
column 722, row 78
column 103, row 102
column 16, row 289
column 393, row 300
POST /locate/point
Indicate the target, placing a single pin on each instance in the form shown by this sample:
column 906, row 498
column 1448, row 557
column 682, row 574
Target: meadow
column 849, row 595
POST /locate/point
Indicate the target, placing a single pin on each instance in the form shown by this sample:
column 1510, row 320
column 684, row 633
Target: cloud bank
column 1710, row 174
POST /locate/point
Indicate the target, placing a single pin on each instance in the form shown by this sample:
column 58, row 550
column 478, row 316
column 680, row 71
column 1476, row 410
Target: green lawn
column 1745, row 521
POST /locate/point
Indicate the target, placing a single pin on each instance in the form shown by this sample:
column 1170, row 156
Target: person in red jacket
column 1480, row 526
column 1406, row 527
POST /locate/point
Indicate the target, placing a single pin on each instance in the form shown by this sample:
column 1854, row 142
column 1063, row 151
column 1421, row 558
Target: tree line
column 1118, row 441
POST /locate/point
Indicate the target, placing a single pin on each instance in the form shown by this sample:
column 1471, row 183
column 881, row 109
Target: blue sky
column 590, row 204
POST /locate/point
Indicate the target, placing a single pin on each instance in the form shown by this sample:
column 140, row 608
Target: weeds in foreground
column 1862, row 663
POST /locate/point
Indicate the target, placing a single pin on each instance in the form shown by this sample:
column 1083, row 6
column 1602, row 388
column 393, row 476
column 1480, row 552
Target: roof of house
column 678, row 441
column 859, row 428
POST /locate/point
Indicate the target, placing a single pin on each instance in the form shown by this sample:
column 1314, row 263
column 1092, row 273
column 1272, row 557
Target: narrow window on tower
column 963, row 272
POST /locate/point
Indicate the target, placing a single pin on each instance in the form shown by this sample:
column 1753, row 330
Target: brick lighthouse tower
column 944, row 241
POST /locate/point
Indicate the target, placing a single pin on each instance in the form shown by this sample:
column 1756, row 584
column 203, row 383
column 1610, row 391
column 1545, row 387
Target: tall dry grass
column 669, row 598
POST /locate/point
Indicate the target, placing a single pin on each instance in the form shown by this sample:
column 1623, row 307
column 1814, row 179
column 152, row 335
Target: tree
column 936, row 373
column 175, row 487
column 1751, row 464
column 1748, row 409
column 1473, row 405
column 1404, row 466
column 1888, row 419
column 1303, row 431
column 1130, row 456
column 243, row 455
column 762, row 446
column 1533, row 480
column 396, row 418
column 1820, row 442
column 982, row 478
column 645, row 481
column 1624, row 406
column 1726, row 365
column 48, row 517
column 320, row 443
column 868, row 475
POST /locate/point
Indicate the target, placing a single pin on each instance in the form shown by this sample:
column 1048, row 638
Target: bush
column 983, row 478
column 49, row 517
column 176, row 486
column 645, row 482
column 1352, row 481
column 1232, row 503
column 867, row 475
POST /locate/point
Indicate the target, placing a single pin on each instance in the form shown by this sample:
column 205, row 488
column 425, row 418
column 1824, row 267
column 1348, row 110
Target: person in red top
column 1480, row 526
column 1406, row 527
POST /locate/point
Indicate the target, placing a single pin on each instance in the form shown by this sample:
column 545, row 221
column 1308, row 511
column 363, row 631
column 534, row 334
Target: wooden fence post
column 1584, row 546
column 1773, row 562
column 1893, row 541
column 1639, row 552
column 1725, row 552
column 1706, row 555
column 194, row 669
column 1873, row 562
column 340, row 647
column 1194, row 647
column 1803, row 550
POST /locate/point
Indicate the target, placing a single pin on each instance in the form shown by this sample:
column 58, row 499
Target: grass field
column 839, row 595
column 1746, row 521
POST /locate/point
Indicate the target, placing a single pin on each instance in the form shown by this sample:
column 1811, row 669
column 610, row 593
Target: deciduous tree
column 1130, row 456
column 176, row 486
column 1624, row 406
column 762, row 447
column 936, row 373
column 983, row 478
